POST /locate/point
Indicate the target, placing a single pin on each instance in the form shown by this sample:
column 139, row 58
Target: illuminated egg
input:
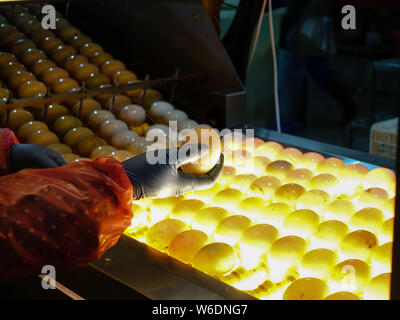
column 186, row 210
column 160, row 208
column 141, row 145
column 99, row 58
column 228, row 198
column 60, row 147
column 121, row 139
column 186, row 244
column 211, row 157
column 327, row 183
column 66, row 123
column 95, row 80
column 175, row 115
column 386, row 233
column 205, row 195
column 79, row 41
column 150, row 97
column 123, row 76
column 260, row 164
column 342, row 295
column 227, row 174
column 161, row 234
column 70, row 157
column 16, row 118
column 388, row 208
column 139, row 218
column 6, row 58
column 111, row 127
column 350, row 275
column 41, row 66
column 11, row 37
column 22, row 18
column 19, row 78
column 250, row 207
column 98, row 117
column 373, row 197
column 32, row 89
column 285, row 253
column 76, row 135
column 84, row 70
column 299, row 176
column 61, row 53
column 289, row 193
column 290, row 154
column 255, row 242
column 132, row 114
column 243, row 181
column 110, row 67
column 160, row 109
column 53, row 74
column 4, row 95
column 274, row 214
column 301, row 223
column 329, row 234
column 68, row 33
column 21, row 45
column 369, row 219
column 381, row 259
column 352, row 177
column 72, row 62
column 42, row 137
column 48, row 44
column 39, row 35
column 84, row 108
column 10, row 69
column 269, row 149
column 117, row 103
column 65, row 85
column 341, row 210
column 87, row 146
column 358, row 245
column 306, row 289
column 53, row 112
column 208, row 219
column 215, row 259
column 103, row 151
column 279, row 169
column 317, row 263
column 122, row 155
column 187, row 124
column 231, row 229
column 378, row 288
column 331, row 165
column 381, row 178
column 27, row 128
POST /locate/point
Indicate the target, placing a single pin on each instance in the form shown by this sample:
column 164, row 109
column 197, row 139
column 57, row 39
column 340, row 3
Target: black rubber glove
column 167, row 180
column 24, row 156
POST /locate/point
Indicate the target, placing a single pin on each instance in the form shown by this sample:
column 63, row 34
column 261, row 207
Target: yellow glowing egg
column 352, row 177
column 388, row 208
column 227, row 174
column 186, row 210
column 111, row 127
column 84, row 70
column 72, row 62
column 250, row 207
column 269, row 149
column 76, row 135
column 317, row 262
column 243, row 181
column 381, row 259
column 386, row 233
column 70, row 157
column 381, row 178
column 65, row 85
column 21, row 45
column 215, row 259
column 9, row 69
column 20, row 77
column 373, row 197
column 326, row 182
column 42, row 137
column 139, row 218
column 31, row 55
column 378, row 288
column 98, row 117
column 48, row 44
column 205, row 195
column 28, row 128
column 301, row 223
column 32, row 89
column 54, row 74
column 103, row 151
column 95, row 80
column 367, row 219
column 265, row 187
column 117, row 103
column 274, row 214
column 110, row 67
column 299, row 176
column 83, row 109
column 16, row 119
column 66, row 123
column 39, row 35
column 61, row 53
column 79, row 41
column 87, row 145
column 279, row 169
column 41, row 66
column 289, row 193
column 231, row 229
column 290, row 154
column 6, row 58
column 341, row 210
column 331, row 165
column 350, row 275
column 358, row 245
column 209, row 218
column 329, row 234
column 121, row 139
column 160, row 208
column 261, row 163
column 60, row 147
column 123, row 76
column 228, row 198
column 161, row 234
column 186, row 244
column 342, row 295
column 288, row 249
column 67, row 33
column 306, row 289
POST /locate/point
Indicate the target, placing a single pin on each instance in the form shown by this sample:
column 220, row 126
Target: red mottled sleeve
column 7, row 139
column 65, row 217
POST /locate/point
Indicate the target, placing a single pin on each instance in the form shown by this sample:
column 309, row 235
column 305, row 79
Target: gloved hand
column 165, row 179
column 24, row 156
